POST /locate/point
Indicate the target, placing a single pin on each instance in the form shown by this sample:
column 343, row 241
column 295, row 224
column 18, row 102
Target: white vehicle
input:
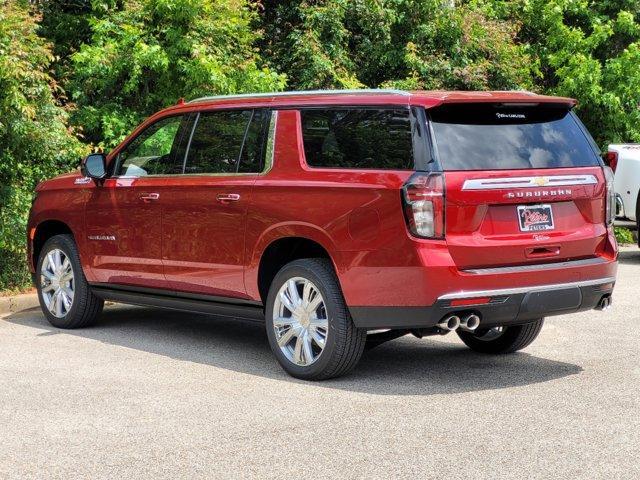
column 624, row 160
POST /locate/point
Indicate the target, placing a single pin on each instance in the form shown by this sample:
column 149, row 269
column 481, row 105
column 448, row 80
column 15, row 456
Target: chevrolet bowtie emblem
column 541, row 181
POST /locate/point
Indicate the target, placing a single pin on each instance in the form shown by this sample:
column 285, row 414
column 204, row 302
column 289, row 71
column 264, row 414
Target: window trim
column 406, row 107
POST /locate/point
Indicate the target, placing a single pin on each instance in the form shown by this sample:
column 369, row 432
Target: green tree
column 35, row 141
column 152, row 52
column 591, row 51
column 405, row 43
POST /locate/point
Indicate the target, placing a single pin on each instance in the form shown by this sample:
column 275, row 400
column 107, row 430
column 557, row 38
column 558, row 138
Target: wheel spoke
column 58, row 295
column 319, row 323
column 66, row 301
column 318, row 338
column 47, row 288
column 48, row 275
column 314, row 304
column 287, row 303
column 286, row 337
column 292, row 290
column 297, row 353
column 307, row 291
column 57, row 258
column 284, row 321
column 306, row 345
column 51, row 263
column 66, row 266
column 52, row 303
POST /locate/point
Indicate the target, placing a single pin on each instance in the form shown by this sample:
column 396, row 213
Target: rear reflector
column 462, row 302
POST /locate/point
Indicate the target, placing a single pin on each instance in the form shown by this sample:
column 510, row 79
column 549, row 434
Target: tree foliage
column 149, row 53
column 589, row 50
column 35, row 142
column 405, row 43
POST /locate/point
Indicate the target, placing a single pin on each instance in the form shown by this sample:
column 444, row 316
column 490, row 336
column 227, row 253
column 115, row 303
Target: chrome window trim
column 537, row 267
column 540, row 181
column 533, row 288
column 270, row 147
column 186, row 150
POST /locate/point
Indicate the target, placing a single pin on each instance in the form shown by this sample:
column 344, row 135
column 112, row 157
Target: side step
column 248, row 311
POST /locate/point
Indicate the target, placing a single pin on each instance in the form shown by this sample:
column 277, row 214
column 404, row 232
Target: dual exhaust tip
column 452, row 322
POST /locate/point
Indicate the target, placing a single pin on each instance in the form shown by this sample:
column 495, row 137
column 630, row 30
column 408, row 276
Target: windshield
column 499, row 137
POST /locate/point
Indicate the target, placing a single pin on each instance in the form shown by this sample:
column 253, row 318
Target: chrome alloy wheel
column 57, row 283
column 300, row 321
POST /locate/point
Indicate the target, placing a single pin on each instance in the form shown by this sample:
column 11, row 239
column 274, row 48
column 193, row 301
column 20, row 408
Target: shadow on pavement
column 629, row 257
column 407, row 366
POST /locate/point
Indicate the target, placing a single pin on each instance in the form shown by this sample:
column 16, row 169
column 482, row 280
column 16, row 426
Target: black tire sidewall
column 335, row 314
column 81, row 288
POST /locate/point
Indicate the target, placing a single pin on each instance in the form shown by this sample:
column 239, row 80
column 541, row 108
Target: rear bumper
column 515, row 305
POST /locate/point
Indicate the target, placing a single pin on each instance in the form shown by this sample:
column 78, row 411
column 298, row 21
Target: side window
column 253, row 150
column 377, row 138
column 217, row 141
column 154, row 151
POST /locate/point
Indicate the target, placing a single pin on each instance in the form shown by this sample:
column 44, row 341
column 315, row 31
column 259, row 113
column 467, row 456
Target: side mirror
column 94, row 166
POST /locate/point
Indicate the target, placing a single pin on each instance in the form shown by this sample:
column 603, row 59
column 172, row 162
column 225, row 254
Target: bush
column 624, row 236
column 35, row 141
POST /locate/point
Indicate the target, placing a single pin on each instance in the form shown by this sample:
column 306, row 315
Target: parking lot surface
column 149, row 393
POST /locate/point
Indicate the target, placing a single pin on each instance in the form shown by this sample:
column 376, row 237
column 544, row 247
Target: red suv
column 339, row 219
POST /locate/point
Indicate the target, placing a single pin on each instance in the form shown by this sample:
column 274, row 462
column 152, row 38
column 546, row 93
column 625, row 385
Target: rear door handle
column 149, row 197
column 228, row 197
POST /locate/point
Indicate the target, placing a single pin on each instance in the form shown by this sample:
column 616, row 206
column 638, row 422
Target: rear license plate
column 533, row 218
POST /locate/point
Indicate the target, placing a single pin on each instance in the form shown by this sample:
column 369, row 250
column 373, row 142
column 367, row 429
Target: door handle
column 149, row 197
column 228, row 197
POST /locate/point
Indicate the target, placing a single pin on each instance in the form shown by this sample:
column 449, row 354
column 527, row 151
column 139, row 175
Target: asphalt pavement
column 149, row 394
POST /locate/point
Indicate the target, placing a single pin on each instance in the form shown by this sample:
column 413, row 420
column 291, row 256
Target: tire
column 329, row 321
column 84, row 307
column 511, row 339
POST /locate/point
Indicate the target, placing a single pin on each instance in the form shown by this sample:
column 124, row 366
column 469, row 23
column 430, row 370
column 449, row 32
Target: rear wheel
column 65, row 297
column 498, row 340
column 308, row 324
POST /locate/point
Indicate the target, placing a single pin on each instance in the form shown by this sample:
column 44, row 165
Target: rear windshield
column 498, row 137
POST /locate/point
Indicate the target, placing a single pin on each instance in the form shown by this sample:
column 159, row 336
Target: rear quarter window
column 359, row 138
column 498, row 137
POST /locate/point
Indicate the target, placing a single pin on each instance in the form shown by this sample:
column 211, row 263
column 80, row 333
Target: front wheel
column 498, row 340
column 308, row 324
column 63, row 291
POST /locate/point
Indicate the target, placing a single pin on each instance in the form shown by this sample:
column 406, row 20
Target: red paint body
column 187, row 241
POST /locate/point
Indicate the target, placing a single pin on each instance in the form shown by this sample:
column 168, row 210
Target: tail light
column 611, row 160
column 610, row 207
column 423, row 202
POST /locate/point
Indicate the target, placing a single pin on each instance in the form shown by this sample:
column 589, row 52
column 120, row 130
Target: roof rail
column 368, row 91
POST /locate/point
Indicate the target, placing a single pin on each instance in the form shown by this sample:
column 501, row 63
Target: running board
column 248, row 311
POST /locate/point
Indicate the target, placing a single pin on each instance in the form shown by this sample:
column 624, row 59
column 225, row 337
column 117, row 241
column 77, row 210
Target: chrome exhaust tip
column 604, row 303
column 470, row 322
column 450, row 323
